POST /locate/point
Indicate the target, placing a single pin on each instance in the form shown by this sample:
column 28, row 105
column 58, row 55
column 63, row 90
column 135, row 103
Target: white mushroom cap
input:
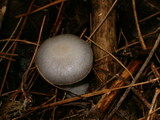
column 64, row 59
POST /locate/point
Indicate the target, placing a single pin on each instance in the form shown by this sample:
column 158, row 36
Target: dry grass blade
column 41, row 8
column 137, row 26
column 32, row 60
column 111, row 56
column 90, row 95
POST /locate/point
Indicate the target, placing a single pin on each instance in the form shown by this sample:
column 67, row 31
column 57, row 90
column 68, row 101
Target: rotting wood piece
column 105, row 102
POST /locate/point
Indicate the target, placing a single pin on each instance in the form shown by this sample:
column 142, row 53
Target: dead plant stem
column 137, row 26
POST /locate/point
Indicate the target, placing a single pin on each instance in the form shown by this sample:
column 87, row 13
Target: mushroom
column 64, row 59
column 76, row 89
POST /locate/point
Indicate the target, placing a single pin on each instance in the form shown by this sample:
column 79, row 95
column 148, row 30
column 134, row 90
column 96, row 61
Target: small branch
column 136, row 77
